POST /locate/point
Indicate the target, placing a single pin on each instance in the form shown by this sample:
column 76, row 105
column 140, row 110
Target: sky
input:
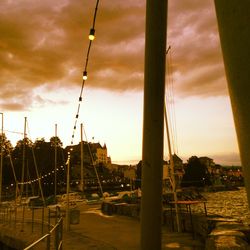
column 43, row 49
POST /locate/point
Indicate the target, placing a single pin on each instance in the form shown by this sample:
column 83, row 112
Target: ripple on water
column 227, row 204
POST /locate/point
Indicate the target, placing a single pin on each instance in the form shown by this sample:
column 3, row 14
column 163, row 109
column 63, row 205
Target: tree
column 8, row 176
column 55, row 140
column 196, row 174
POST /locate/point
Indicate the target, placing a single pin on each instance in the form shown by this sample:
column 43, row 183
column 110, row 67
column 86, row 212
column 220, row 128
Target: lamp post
column 1, row 164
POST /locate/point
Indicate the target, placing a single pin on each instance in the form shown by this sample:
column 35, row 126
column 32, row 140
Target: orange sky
column 43, row 50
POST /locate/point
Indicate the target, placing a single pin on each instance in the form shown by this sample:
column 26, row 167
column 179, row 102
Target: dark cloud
column 45, row 43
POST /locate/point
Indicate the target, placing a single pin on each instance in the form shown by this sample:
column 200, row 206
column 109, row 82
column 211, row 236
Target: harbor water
column 232, row 204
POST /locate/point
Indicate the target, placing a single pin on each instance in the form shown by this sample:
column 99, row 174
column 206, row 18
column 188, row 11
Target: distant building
column 130, row 172
column 178, row 169
column 99, row 153
column 92, row 153
column 232, row 171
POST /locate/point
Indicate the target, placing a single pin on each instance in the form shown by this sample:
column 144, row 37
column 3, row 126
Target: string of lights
column 85, row 72
column 84, row 78
column 43, row 176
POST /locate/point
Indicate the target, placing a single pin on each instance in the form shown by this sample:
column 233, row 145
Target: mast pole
column 172, row 170
column 82, row 180
column 67, row 208
column 23, row 165
column 1, row 165
column 55, row 191
column 153, row 124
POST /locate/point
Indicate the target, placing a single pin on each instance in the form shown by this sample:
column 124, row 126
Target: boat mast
column 23, row 165
column 82, row 179
column 1, row 164
column 55, row 180
column 171, row 160
column 173, row 182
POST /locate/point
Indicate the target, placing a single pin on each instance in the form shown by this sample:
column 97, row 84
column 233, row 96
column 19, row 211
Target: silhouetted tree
column 196, row 174
column 55, row 140
column 7, row 172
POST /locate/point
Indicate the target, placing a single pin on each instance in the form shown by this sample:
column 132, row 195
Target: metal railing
column 58, row 228
column 24, row 218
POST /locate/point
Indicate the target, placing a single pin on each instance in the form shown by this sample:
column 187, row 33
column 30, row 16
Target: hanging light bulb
column 92, row 34
column 85, row 75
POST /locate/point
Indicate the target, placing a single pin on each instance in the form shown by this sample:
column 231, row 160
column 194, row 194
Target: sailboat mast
column 1, row 164
column 55, row 180
column 24, row 149
column 82, row 180
column 172, row 169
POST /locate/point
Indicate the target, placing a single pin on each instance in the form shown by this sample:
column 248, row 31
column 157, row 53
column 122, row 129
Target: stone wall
column 228, row 234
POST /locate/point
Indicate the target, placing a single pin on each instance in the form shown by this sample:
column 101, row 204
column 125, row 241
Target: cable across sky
column 85, row 72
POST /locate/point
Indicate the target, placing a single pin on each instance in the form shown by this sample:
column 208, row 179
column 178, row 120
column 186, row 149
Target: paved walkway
column 97, row 231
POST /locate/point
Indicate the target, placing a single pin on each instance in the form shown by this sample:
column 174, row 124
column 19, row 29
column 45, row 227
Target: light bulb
column 92, row 34
column 85, row 76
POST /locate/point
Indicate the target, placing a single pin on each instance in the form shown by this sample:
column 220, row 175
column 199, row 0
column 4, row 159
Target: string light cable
column 85, row 71
column 84, row 78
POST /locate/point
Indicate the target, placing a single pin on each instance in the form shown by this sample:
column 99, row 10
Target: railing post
column 10, row 216
column 23, row 219
column 49, row 221
column 32, row 220
column 56, row 216
column 48, row 241
column 42, row 219
column 56, row 236
column 15, row 215
column 61, row 232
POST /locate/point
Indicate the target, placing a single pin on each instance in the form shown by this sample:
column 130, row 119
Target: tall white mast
column 173, row 183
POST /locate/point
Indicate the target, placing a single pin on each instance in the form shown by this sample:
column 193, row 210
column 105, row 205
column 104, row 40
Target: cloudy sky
column 43, row 49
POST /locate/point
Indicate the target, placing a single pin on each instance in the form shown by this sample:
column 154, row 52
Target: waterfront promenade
column 98, row 231
column 95, row 231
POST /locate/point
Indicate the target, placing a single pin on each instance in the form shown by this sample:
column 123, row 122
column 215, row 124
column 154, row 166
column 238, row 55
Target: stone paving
column 98, row 231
